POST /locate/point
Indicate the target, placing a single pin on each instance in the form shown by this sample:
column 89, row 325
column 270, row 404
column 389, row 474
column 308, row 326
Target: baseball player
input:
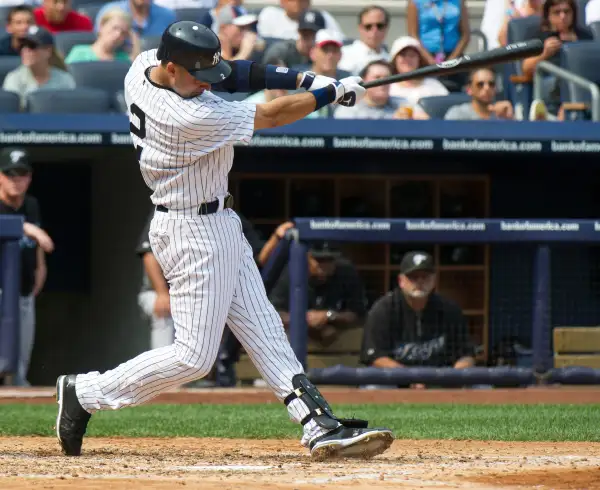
column 184, row 137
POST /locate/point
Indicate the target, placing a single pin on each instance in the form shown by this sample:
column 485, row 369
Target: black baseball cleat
column 72, row 419
column 345, row 442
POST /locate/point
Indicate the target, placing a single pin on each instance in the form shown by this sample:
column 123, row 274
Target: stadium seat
column 8, row 64
column 150, row 42
column 78, row 100
column 106, row 75
column 191, row 13
column 437, row 106
column 66, row 40
column 594, row 27
column 9, row 102
column 91, row 9
column 582, row 58
column 118, row 102
column 79, row 4
column 4, row 10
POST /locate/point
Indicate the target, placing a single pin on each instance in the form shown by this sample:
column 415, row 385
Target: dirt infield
column 233, row 464
column 211, row 464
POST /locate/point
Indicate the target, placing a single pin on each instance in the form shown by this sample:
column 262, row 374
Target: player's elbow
column 265, row 117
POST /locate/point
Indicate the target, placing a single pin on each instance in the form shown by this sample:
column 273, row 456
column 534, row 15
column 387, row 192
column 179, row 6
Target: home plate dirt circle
column 35, row 462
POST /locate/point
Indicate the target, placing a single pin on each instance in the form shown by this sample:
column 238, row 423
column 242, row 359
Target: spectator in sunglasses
column 373, row 25
column 42, row 68
column 114, row 34
column 19, row 19
column 482, row 89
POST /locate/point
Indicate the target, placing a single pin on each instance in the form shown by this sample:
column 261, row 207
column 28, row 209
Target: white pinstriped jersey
column 184, row 146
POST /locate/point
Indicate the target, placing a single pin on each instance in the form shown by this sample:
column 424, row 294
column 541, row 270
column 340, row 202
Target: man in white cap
column 326, row 54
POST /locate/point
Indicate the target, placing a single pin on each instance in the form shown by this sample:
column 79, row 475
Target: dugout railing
column 11, row 232
column 540, row 237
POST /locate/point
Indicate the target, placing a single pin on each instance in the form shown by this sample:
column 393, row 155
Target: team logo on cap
column 33, row 29
column 216, row 58
column 309, row 17
column 16, row 155
column 419, row 259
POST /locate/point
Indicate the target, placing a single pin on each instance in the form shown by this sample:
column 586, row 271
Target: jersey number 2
column 139, row 132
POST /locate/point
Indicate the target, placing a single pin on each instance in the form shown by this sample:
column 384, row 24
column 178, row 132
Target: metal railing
column 569, row 77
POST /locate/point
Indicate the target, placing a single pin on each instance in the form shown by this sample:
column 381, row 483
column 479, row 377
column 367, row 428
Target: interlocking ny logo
column 216, row 58
column 16, row 155
column 419, row 258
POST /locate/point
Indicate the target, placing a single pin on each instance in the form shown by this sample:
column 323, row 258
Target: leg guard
column 320, row 411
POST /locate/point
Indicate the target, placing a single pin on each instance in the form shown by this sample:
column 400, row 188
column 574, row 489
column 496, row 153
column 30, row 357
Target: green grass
column 482, row 422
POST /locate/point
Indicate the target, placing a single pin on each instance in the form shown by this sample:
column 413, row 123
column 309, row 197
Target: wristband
column 280, row 77
column 324, row 96
column 307, row 79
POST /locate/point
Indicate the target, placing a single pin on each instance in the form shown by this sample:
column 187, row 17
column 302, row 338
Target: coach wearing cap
column 414, row 326
column 15, row 177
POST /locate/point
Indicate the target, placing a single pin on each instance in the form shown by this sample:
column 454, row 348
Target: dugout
column 94, row 203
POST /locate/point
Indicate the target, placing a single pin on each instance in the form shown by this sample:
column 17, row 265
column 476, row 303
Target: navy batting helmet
column 196, row 48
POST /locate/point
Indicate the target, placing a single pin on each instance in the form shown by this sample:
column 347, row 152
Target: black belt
column 205, row 207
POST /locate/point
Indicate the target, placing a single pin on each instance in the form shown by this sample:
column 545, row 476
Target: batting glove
column 311, row 81
column 353, row 91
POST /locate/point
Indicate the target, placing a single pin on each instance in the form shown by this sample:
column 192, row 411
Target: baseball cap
column 233, row 15
column 311, row 20
column 325, row 36
column 403, row 43
column 13, row 158
column 39, row 36
column 416, row 261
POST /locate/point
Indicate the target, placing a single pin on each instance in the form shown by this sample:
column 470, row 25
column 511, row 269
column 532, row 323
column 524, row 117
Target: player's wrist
column 328, row 94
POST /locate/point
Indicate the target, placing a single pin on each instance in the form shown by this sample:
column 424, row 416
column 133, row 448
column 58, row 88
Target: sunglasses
column 481, row 84
column 16, row 172
column 379, row 25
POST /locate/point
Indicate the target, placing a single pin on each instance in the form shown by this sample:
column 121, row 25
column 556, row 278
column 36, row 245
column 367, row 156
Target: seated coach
column 415, row 326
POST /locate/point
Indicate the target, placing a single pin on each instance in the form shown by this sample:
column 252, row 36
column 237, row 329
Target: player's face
column 185, row 84
column 57, row 10
column 14, row 183
column 407, row 60
column 19, row 24
column 114, row 32
column 379, row 95
column 418, row 284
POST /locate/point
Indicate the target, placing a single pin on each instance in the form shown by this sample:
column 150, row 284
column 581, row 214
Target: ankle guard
column 320, row 411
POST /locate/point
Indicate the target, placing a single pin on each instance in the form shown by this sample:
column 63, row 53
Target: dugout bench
column 345, row 350
column 577, row 346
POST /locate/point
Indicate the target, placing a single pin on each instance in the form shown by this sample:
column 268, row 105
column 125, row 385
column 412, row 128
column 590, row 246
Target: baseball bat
column 468, row 62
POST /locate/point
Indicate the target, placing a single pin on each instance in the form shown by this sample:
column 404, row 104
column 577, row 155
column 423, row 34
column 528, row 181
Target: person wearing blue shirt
column 442, row 26
column 149, row 19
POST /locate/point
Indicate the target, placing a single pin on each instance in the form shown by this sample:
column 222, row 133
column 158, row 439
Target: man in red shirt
column 58, row 16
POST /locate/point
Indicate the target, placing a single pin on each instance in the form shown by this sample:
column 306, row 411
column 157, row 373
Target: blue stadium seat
column 581, row 4
column 9, row 102
column 106, row 75
column 91, row 9
column 118, row 102
column 66, row 40
column 78, row 4
column 150, row 42
column 191, row 13
column 437, row 106
column 594, row 27
column 4, row 10
column 79, row 100
column 8, row 64
column 582, row 58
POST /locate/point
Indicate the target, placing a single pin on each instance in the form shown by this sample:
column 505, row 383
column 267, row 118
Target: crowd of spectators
column 296, row 35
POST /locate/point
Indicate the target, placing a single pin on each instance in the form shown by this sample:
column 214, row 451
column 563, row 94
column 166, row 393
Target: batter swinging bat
column 468, row 62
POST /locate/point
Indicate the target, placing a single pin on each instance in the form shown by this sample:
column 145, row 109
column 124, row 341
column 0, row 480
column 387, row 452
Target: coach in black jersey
column 15, row 178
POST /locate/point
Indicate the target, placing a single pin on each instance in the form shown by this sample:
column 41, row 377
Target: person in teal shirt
column 114, row 33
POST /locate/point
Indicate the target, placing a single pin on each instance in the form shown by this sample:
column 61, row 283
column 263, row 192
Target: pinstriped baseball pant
column 213, row 280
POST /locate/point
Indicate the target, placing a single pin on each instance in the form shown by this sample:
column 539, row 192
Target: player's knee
column 200, row 363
